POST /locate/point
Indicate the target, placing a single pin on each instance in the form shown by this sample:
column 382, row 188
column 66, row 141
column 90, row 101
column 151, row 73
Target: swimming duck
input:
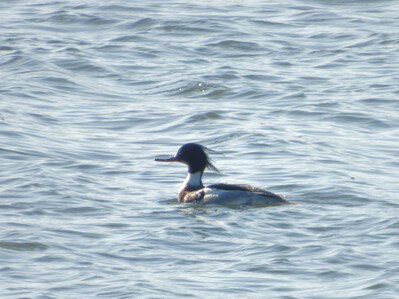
column 192, row 190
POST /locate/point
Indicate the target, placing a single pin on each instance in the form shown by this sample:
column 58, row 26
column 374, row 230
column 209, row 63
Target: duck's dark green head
column 194, row 156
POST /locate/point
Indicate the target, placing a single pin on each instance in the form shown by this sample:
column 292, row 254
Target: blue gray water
column 299, row 97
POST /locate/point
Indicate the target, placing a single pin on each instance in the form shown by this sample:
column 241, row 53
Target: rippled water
column 299, row 97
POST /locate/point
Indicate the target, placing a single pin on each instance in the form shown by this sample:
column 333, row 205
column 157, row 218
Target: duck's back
column 239, row 195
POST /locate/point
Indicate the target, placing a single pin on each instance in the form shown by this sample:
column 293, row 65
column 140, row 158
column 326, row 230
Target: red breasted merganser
column 192, row 190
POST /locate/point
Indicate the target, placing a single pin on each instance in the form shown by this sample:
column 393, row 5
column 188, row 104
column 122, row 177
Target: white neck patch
column 193, row 179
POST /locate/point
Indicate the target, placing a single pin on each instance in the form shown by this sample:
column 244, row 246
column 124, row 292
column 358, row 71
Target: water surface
column 299, row 97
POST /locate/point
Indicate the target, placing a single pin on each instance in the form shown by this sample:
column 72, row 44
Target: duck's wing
column 229, row 194
column 247, row 188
